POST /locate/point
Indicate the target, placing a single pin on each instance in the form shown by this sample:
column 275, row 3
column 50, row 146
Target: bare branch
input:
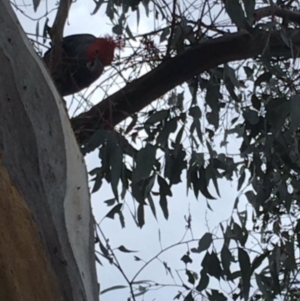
column 173, row 72
column 56, row 32
column 287, row 15
column 172, row 28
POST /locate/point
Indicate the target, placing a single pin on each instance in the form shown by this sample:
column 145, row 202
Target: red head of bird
column 103, row 49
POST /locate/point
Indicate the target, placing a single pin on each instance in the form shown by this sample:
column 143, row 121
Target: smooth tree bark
column 46, row 224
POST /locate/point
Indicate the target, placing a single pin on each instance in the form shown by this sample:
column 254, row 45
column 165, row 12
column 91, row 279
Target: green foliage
column 185, row 140
column 267, row 123
column 178, row 144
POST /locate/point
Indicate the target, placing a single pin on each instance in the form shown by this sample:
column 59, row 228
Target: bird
column 83, row 59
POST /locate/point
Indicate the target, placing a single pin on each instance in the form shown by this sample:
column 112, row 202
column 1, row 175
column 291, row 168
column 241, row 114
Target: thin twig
column 172, row 28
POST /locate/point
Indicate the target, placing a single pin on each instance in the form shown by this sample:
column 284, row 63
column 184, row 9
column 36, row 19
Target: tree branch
column 173, row 72
column 57, row 30
column 287, row 15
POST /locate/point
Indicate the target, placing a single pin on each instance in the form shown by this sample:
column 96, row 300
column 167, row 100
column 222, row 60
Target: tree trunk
column 46, row 224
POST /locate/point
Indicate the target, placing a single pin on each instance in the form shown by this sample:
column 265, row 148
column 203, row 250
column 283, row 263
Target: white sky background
column 144, row 240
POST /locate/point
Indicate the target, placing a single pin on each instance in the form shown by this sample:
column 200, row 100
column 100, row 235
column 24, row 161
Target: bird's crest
column 103, row 48
column 118, row 43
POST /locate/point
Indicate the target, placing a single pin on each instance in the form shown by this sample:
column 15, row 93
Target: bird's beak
column 92, row 65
